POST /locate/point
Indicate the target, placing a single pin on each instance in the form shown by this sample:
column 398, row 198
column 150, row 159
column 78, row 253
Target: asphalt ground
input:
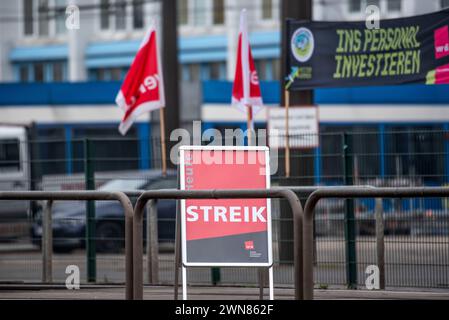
column 418, row 262
column 206, row 293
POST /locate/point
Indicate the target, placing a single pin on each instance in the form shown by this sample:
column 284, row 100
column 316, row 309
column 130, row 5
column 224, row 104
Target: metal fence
column 416, row 229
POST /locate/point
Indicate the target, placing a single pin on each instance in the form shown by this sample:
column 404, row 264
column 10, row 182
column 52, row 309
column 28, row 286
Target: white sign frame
column 185, row 263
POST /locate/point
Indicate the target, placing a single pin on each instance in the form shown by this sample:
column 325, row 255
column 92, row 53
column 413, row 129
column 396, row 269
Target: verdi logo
column 302, row 44
column 441, row 40
column 249, row 245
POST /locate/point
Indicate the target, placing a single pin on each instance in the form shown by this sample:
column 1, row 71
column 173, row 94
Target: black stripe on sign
column 229, row 249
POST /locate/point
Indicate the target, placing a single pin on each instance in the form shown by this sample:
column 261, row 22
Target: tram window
column 111, row 151
column 9, row 155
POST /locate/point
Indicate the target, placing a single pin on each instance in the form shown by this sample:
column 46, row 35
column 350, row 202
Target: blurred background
column 58, row 131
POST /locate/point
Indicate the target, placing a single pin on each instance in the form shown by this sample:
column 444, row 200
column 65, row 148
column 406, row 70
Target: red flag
column 246, row 90
column 143, row 87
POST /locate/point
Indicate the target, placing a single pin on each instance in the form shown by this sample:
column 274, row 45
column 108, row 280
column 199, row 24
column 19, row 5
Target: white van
column 14, row 176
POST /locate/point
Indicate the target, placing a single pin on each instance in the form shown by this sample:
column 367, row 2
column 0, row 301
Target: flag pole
column 249, row 122
column 287, row 134
column 163, row 147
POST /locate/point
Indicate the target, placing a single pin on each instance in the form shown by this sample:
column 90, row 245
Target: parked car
column 69, row 218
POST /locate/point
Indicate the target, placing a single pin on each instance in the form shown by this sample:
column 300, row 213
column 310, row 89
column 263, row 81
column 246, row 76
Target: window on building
column 444, row 4
column 47, row 71
column 91, row 75
column 39, row 72
column 28, row 17
column 60, row 16
column 183, row 13
column 372, row 3
column 394, row 5
column 218, row 12
column 199, row 12
column 114, row 14
column 124, row 72
column 58, row 71
column 116, row 74
column 267, row 9
column 104, row 14
column 268, row 69
column 192, row 72
column 43, row 17
column 120, row 15
column 215, row 71
column 107, row 74
column 276, row 69
column 355, row 5
column 23, row 73
column 261, row 66
column 102, row 75
column 138, row 14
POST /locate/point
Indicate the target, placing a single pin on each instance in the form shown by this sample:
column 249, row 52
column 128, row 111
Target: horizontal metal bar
column 300, row 190
column 59, row 195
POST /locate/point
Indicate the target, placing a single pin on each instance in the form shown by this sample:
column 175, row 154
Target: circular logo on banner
column 302, row 44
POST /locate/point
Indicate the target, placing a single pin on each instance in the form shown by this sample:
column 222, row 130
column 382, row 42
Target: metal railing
column 51, row 196
column 285, row 193
column 347, row 193
column 303, row 221
column 133, row 226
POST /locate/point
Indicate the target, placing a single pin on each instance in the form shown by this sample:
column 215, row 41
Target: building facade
column 41, row 59
column 37, row 46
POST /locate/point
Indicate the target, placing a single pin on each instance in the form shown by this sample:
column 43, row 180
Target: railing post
column 350, row 237
column 261, row 276
column 35, row 165
column 380, row 243
column 215, row 275
column 90, row 213
column 152, row 243
column 47, row 244
column 178, row 253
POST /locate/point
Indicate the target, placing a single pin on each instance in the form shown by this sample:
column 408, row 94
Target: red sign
column 225, row 231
